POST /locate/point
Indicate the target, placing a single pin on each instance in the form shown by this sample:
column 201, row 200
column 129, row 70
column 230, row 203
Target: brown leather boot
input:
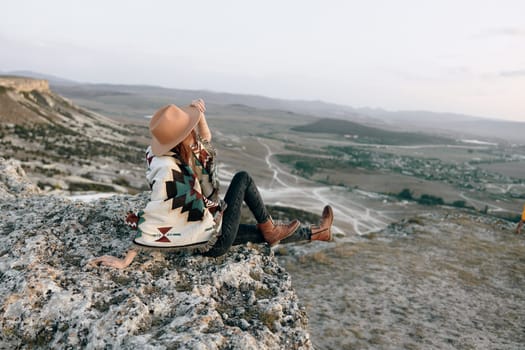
column 273, row 234
column 323, row 232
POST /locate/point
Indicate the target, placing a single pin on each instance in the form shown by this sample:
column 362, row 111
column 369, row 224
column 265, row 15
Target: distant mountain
column 53, row 79
column 138, row 100
column 457, row 125
column 365, row 134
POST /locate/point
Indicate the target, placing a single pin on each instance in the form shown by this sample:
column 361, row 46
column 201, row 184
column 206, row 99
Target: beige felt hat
column 170, row 125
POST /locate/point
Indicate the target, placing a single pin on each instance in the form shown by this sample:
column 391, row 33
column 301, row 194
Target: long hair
column 185, row 153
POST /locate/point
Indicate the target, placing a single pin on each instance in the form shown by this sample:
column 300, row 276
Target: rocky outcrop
column 66, row 147
column 13, row 180
column 20, row 84
column 51, row 298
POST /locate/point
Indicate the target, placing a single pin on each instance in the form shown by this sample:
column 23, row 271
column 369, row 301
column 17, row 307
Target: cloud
column 500, row 32
column 512, row 73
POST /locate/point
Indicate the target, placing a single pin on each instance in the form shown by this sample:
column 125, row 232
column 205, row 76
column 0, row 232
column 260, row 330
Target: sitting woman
column 185, row 211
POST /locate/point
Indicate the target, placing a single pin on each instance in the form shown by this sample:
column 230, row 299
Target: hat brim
column 160, row 149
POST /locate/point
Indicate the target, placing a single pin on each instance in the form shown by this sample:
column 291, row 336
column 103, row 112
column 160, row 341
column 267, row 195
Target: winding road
column 351, row 213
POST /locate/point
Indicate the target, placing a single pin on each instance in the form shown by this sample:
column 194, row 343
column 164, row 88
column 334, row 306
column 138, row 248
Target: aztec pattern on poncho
column 183, row 202
column 183, row 194
column 205, row 155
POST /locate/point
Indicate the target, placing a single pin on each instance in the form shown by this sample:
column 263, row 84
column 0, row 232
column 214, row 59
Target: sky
column 460, row 56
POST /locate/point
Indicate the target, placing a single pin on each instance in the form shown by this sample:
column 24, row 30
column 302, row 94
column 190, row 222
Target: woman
column 185, row 211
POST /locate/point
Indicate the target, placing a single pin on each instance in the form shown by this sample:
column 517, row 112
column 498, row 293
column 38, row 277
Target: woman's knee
column 242, row 176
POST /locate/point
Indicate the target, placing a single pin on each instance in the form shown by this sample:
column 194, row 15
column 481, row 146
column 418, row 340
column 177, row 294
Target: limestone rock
column 50, row 297
column 20, row 84
column 13, row 180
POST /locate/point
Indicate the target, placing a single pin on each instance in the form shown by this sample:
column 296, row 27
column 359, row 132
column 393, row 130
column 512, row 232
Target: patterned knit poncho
column 184, row 210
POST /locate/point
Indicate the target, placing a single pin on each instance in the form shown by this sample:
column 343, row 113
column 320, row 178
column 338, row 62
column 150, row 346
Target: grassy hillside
column 366, row 134
column 63, row 146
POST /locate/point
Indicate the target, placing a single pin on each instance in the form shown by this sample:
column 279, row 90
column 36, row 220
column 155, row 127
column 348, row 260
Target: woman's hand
column 113, row 261
column 199, row 104
column 108, row 260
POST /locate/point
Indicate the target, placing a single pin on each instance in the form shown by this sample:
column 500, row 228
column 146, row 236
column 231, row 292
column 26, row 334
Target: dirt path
column 287, row 189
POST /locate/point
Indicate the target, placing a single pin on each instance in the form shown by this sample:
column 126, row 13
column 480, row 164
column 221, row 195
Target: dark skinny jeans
column 243, row 189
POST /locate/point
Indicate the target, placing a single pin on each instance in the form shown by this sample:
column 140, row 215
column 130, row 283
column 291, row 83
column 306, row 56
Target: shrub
column 90, row 186
column 305, row 167
column 459, row 204
column 121, row 182
column 405, row 194
column 428, row 199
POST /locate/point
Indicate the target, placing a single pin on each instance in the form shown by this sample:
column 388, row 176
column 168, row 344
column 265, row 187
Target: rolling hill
column 366, row 134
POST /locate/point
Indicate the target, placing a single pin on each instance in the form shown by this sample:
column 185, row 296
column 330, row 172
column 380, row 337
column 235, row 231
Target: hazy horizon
column 459, row 57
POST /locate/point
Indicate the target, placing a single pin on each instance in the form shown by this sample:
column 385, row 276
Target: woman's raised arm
column 203, row 129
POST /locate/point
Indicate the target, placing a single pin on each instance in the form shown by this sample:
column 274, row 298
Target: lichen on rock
column 51, row 298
